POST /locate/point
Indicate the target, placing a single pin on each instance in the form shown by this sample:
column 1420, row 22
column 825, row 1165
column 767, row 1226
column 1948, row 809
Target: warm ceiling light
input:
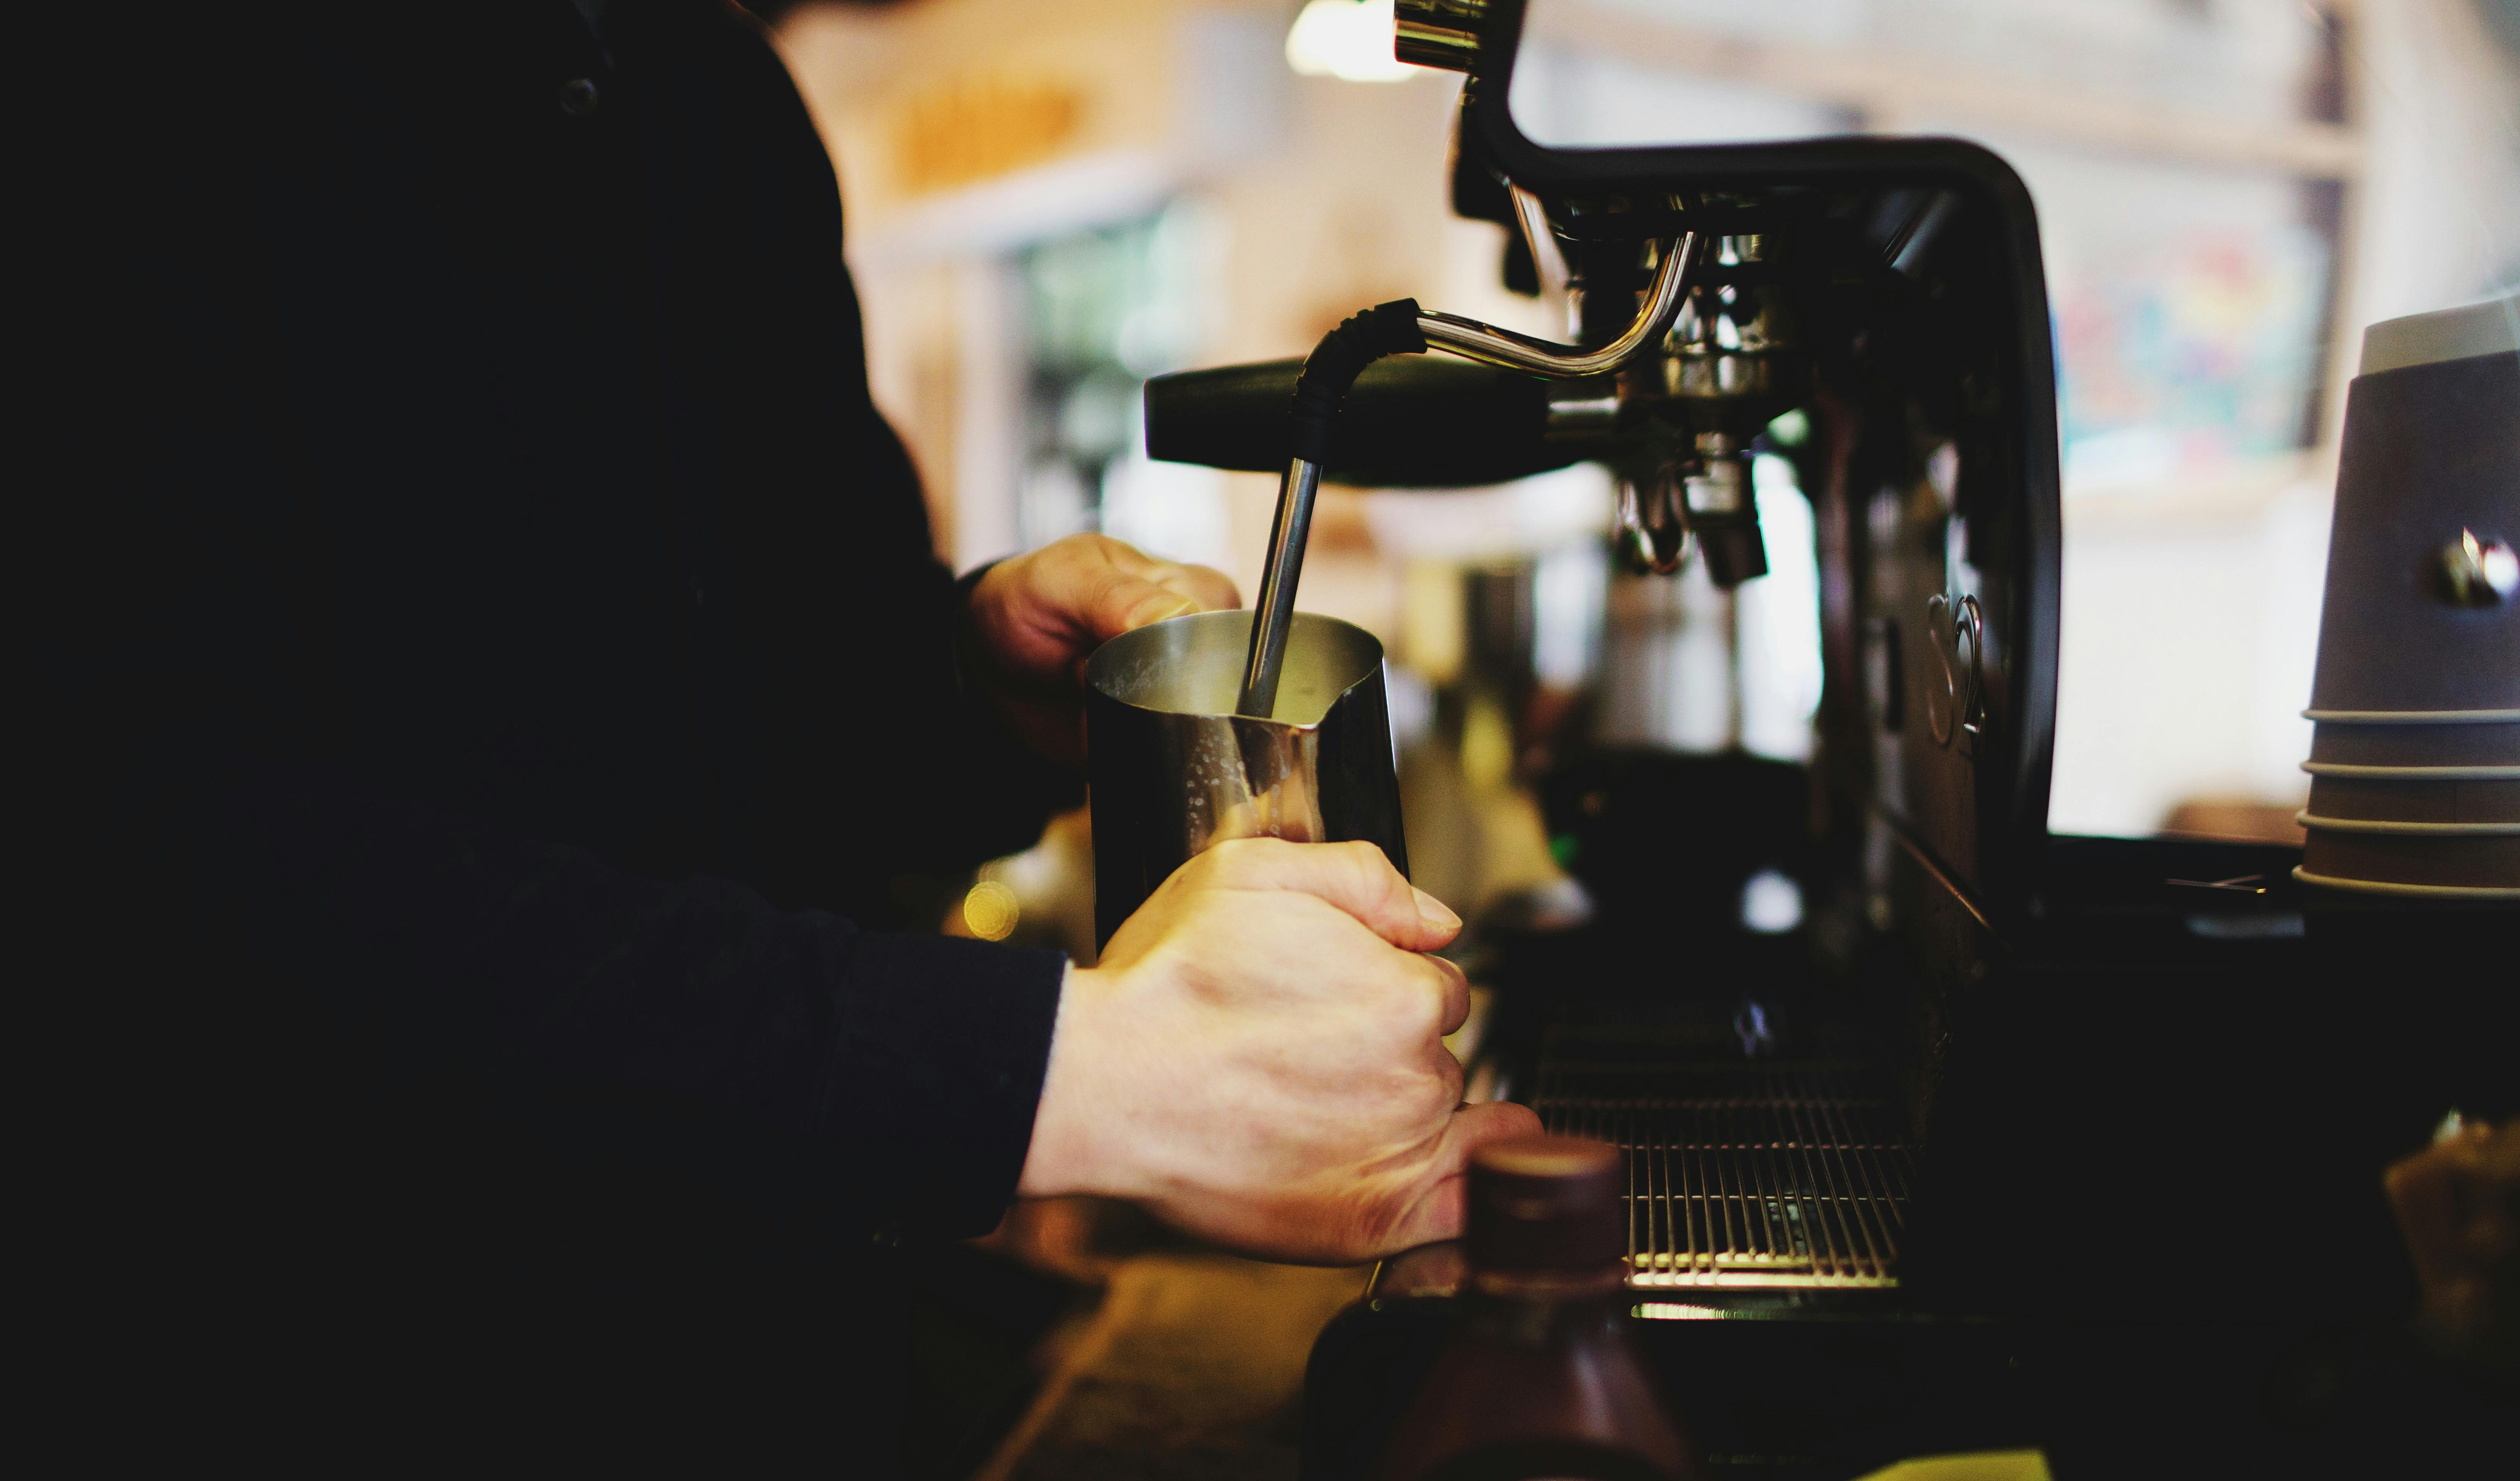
column 1347, row 39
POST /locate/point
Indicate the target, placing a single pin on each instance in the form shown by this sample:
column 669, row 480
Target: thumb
column 1441, row 1206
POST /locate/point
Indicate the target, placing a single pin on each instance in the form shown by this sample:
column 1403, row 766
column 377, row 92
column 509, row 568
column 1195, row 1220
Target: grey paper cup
column 2416, row 761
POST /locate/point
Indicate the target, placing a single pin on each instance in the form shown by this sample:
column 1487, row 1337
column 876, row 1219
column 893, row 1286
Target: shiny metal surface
column 1970, row 620
column 1743, row 1177
column 1721, row 486
column 1734, row 357
column 1584, row 410
column 2477, row 573
column 1959, row 633
column 1491, row 346
column 1291, row 532
column 1443, row 33
column 1653, row 534
column 1548, row 264
column 1470, row 340
column 1174, row 770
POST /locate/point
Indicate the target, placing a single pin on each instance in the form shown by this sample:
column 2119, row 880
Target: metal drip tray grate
column 1742, row 1176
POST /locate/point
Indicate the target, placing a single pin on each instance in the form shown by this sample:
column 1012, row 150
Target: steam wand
column 1400, row 327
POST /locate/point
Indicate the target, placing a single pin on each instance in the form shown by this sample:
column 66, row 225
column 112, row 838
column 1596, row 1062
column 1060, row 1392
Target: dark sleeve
column 252, row 920
column 238, row 920
column 439, row 948
column 247, row 933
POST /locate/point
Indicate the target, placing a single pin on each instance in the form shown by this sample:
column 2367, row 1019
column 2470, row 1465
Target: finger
column 1140, row 603
column 1114, row 601
column 1454, row 988
column 1126, row 589
column 1356, row 877
column 1181, row 575
column 1211, row 588
column 1081, row 589
column 1451, row 1077
column 1438, row 1209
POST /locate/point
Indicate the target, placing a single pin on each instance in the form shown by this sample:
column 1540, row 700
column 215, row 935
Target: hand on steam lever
column 1259, row 1058
column 1033, row 620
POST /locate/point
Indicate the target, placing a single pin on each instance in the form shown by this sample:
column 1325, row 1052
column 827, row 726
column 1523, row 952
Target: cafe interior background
column 1049, row 201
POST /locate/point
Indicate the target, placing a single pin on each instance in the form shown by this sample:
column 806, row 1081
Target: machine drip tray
column 1768, row 1206
column 1744, row 1177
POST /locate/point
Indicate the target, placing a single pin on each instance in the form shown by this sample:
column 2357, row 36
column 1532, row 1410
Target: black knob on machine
column 1410, row 422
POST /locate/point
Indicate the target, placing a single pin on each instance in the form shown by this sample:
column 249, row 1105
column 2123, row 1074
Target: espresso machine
column 2018, row 1139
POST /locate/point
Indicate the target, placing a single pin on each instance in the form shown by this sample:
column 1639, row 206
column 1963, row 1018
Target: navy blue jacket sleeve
column 435, row 947
column 487, row 663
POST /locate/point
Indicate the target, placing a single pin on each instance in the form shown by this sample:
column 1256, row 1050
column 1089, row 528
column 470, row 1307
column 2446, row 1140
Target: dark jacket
column 487, row 661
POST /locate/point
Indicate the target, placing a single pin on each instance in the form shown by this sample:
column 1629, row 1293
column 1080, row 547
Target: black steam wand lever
column 1400, row 327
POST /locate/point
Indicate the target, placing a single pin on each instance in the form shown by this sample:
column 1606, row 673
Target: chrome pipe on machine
column 1401, row 327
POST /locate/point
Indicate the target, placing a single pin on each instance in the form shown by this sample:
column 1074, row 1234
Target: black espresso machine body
column 2018, row 1139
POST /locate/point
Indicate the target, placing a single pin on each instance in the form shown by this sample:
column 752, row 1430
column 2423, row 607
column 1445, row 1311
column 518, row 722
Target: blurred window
column 1103, row 310
column 2185, row 188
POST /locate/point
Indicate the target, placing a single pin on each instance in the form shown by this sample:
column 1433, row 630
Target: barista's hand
column 1260, row 1059
column 1034, row 619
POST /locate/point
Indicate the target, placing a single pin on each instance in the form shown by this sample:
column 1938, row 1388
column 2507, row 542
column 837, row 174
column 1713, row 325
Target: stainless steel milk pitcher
column 1174, row 769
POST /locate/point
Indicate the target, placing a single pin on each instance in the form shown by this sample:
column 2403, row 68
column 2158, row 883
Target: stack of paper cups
column 2416, row 765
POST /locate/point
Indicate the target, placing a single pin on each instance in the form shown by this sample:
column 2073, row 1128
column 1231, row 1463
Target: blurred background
column 1049, row 201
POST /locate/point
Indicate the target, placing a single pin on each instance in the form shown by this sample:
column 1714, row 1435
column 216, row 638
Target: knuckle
column 1224, row 854
column 1435, row 1001
column 1120, row 555
column 1115, row 591
column 1238, row 862
column 1373, row 876
column 1412, row 1010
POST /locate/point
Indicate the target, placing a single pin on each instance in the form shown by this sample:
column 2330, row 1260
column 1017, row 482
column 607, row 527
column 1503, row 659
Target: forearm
column 434, row 949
